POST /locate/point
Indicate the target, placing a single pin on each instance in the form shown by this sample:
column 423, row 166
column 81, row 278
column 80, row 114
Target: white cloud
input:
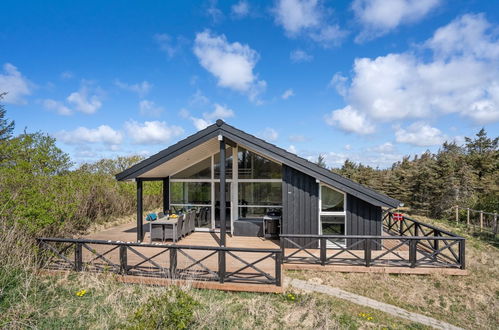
column 308, row 18
column 269, row 134
column 67, row 75
column 140, row 88
column 420, row 134
column 378, row 17
column 198, row 98
column 220, row 112
column 240, row 9
column 461, row 77
column 297, row 138
column 347, row 147
column 213, row 12
column 231, row 63
column 350, row 120
column 287, row 94
column 149, row 108
column 102, row 134
column 299, row 56
column 14, row 84
column 85, row 100
column 169, row 45
column 57, row 106
column 151, row 132
column 292, row 149
column 386, row 147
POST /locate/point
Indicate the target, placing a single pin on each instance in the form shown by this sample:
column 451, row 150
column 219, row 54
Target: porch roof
column 204, row 142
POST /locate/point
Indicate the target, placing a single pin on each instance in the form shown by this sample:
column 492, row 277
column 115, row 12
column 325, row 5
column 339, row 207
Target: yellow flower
column 81, row 293
column 369, row 318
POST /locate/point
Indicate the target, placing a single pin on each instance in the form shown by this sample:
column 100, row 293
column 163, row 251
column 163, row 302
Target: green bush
column 172, row 310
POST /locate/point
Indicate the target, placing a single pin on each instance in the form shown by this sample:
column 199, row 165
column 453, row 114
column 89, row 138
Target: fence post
column 123, row 259
column 78, row 257
column 468, row 217
column 457, row 213
column 283, row 250
column 278, row 267
column 323, row 251
column 367, row 251
column 495, row 223
column 221, row 266
column 412, row 252
column 481, row 220
column 173, row 262
column 462, row 254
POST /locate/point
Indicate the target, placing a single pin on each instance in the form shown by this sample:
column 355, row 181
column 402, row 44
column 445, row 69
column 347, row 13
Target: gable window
column 332, row 215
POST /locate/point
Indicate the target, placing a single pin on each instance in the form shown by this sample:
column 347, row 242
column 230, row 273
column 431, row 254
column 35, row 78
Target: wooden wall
column 300, row 204
column 362, row 219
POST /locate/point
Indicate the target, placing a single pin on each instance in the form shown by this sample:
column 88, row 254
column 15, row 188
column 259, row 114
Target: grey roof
column 265, row 148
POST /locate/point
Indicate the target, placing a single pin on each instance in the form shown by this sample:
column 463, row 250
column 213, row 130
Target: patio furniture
column 179, row 227
column 167, row 228
column 192, row 224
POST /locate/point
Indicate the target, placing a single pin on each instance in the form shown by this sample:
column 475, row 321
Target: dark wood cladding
column 363, row 218
column 300, row 204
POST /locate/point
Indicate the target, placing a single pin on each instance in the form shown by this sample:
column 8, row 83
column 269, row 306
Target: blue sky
column 366, row 80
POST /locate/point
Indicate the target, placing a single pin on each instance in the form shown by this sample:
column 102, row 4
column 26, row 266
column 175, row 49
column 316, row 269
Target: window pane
column 333, row 224
column 253, row 166
column 260, row 193
column 246, row 212
column 332, row 200
column 228, row 164
column 190, row 192
column 201, row 170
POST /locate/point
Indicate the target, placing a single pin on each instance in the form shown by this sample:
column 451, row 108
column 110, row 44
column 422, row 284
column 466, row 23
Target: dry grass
column 468, row 301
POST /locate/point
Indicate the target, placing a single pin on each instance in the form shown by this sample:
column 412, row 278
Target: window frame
column 336, row 213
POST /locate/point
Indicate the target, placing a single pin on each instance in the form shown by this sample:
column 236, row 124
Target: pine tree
column 6, row 127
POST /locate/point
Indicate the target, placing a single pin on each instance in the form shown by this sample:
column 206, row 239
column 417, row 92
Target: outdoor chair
column 185, row 225
column 192, row 224
column 180, row 226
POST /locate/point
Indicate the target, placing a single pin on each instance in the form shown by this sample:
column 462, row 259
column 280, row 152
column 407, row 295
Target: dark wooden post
column 78, row 257
column 223, row 225
column 323, row 251
column 462, row 253
column 278, row 266
column 173, row 262
column 123, row 259
column 221, row 266
column 412, row 252
column 140, row 213
column 367, row 251
column 166, row 195
column 283, row 249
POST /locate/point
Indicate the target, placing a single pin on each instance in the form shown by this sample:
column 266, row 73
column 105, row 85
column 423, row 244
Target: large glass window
column 260, row 193
column 253, row 166
column 228, row 164
column 197, row 193
column 201, row 170
column 332, row 200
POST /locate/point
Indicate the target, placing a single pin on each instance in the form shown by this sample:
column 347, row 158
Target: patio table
column 165, row 222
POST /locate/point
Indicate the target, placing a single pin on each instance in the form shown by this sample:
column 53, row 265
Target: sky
column 365, row 80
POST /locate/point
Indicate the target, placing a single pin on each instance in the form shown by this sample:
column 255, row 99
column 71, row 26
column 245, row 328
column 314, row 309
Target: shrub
column 172, row 310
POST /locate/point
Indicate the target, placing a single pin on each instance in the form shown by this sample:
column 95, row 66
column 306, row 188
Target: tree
column 321, row 161
column 6, row 127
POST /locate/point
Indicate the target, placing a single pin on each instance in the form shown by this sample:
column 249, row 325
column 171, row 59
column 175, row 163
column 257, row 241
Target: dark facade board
column 362, row 219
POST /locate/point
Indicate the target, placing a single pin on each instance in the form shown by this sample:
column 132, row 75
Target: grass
column 49, row 302
column 466, row 301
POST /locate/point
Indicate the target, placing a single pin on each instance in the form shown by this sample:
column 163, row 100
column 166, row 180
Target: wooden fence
column 200, row 263
column 476, row 220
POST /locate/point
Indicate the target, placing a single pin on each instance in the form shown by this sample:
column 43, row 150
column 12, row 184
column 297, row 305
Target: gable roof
column 265, row 148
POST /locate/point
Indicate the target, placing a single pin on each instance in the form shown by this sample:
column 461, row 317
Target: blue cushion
column 151, row 217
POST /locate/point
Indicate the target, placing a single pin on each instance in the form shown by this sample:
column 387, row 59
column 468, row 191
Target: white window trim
column 340, row 213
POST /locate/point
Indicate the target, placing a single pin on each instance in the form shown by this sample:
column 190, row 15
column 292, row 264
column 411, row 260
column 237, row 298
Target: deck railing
column 387, row 251
column 205, row 263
